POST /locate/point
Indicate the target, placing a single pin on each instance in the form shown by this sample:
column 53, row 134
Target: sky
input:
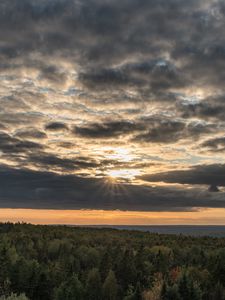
column 112, row 112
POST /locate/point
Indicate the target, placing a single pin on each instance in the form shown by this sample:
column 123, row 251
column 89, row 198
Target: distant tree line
column 70, row 263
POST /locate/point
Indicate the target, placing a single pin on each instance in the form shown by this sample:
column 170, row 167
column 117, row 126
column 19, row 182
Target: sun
column 123, row 173
column 121, row 155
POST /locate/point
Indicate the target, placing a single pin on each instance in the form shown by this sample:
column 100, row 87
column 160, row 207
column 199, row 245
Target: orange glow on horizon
column 213, row 216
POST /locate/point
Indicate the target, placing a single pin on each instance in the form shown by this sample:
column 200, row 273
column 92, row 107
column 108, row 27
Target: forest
column 40, row 262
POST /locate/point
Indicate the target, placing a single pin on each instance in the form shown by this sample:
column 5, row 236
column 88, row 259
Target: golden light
column 214, row 216
column 123, row 173
column 119, row 154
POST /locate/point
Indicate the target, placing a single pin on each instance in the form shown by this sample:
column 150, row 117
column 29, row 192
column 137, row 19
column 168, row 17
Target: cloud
column 53, row 162
column 10, row 144
column 154, row 75
column 152, row 129
column 79, row 77
column 106, row 129
column 162, row 131
column 55, row 126
column 210, row 108
column 200, row 174
column 30, row 189
column 30, row 133
column 214, row 144
column 166, row 130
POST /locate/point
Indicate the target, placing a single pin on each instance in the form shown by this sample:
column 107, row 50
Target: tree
column 106, row 263
column 44, row 287
column 188, row 290
column 138, row 292
column 156, row 291
column 110, row 287
column 127, row 273
column 219, row 266
column 171, row 293
column 72, row 289
column 219, row 292
column 184, row 287
column 5, row 261
column 94, row 286
column 14, row 297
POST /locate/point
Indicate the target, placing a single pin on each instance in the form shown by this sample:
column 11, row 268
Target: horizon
column 113, row 218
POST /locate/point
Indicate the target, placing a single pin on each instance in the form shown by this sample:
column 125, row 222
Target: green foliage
column 218, row 293
column 72, row 289
column 172, row 293
column 94, row 285
column 69, row 263
column 110, row 287
column 188, row 290
column 14, row 297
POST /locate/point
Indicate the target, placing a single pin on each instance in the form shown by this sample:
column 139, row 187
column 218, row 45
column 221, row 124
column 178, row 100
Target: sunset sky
column 112, row 111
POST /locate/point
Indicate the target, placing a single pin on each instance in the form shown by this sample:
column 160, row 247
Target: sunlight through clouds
column 112, row 105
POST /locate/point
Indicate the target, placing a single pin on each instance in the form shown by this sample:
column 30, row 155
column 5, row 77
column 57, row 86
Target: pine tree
column 70, row 290
column 110, row 287
column 94, row 286
column 138, row 292
column 219, row 292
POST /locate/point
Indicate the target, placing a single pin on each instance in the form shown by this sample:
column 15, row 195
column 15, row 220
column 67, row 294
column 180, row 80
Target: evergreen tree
column 44, row 287
column 188, row 290
column 94, row 286
column 195, row 292
column 127, row 273
column 110, row 287
column 171, row 293
column 105, row 264
column 219, row 292
column 184, row 286
column 72, row 289
column 138, row 292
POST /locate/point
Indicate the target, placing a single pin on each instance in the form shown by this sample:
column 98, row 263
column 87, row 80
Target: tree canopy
column 74, row 263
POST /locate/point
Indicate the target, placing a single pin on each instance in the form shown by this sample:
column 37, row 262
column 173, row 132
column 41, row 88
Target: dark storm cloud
column 102, row 34
column 9, row 144
column 107, row 129
column 162, row 132
column 152, row 129
column 54, row 163
column 215, row 144
column 105, row 77
column 52, row 73
column 50, row 161
column 160, row 129
column 154, row 74
column 55, row 126
column 210, row 108
column 147, row 45
column 30, row 133
column 200, row 174
column 30, row 189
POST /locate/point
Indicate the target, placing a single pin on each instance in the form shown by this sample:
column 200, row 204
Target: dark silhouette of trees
column 66, row 263
column 72, row 289
column 110, row 287
column 94, row 285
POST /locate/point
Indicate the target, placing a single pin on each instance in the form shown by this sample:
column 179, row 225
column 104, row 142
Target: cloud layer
column 91, row 87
